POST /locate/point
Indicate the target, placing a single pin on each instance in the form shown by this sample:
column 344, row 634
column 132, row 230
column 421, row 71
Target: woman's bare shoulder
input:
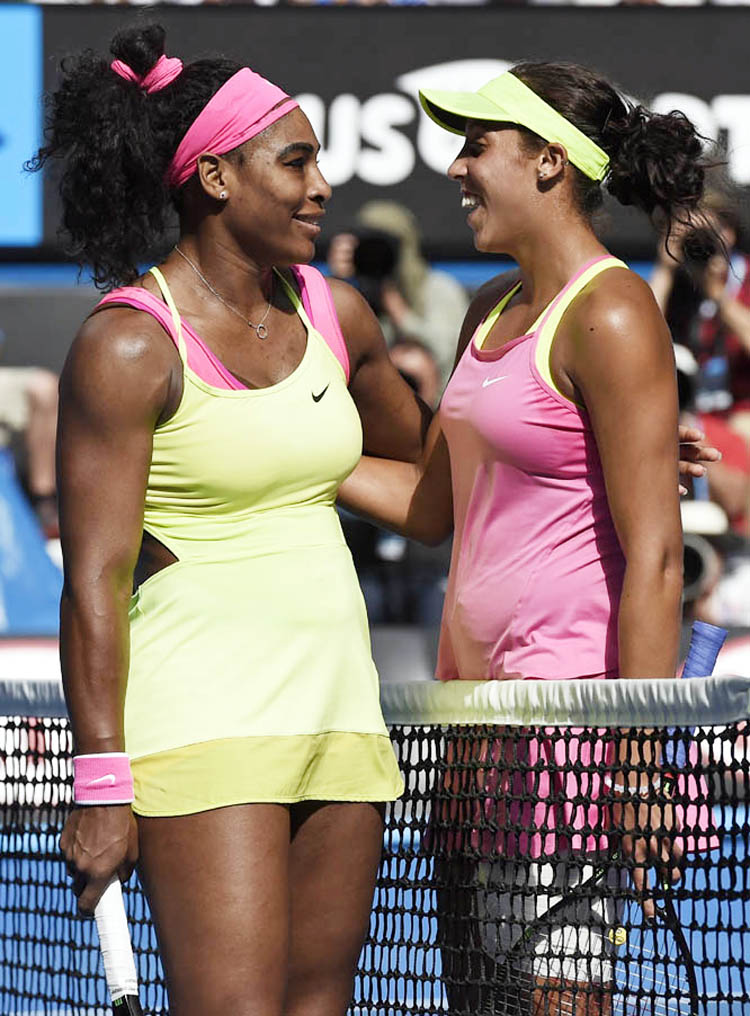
column 616, row 327
column 620, row 303
column 120, row 354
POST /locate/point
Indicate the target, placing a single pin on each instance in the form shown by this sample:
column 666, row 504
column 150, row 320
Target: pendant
column 261, row 331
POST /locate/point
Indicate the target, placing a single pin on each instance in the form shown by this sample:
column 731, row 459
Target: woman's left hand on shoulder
column 693, row 452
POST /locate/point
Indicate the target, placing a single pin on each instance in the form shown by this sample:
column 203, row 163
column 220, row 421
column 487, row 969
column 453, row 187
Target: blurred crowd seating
column 701, row 280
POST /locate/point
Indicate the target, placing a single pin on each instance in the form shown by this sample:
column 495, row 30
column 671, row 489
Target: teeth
column 469, row 201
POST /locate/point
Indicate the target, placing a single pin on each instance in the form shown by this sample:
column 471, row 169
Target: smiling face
column 498, row 179
column 277, row 193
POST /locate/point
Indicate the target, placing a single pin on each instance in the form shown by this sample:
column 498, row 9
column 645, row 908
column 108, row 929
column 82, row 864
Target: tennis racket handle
column 705, row 644
column 117, row 952
column 706, row 641
column 128, row 1005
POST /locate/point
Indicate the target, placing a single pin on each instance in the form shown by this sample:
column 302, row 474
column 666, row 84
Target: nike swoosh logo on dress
column 317, row 398
column 491, row 380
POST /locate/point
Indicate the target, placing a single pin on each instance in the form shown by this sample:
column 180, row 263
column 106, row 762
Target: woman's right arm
column 415, row 498
column 411, row 498
column 116, row 384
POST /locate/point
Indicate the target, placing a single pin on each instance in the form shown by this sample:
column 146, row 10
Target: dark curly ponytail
column 656, row 160
column 115, row 142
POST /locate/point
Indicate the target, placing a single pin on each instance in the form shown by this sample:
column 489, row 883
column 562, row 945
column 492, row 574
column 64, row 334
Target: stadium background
column 356, row 71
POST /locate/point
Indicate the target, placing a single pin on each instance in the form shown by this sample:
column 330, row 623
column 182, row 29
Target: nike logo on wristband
column 491, row 380
column 108, row 780
column 317, row 398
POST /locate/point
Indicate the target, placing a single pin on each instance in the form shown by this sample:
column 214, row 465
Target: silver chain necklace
column 260, row 329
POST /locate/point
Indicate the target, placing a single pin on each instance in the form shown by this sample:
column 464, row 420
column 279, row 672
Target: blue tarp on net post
column 30, row 583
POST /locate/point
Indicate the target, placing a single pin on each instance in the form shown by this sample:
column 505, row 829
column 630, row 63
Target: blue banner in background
column 20, row 124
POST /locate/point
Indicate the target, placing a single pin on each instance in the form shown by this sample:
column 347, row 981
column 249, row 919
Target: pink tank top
column 316, row 299
column 537, row 568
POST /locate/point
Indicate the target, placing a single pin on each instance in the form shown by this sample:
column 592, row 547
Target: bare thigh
column 218, row 887
column 333, row 864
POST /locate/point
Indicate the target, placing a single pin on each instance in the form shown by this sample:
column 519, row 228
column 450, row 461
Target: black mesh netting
column 524, row 872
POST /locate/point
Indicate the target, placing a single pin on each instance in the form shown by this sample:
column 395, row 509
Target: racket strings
column 642, row 971
column 660, row 980
column 514, row 996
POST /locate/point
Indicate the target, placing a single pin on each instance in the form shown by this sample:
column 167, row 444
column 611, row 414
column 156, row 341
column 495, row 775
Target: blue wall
column 20, row 124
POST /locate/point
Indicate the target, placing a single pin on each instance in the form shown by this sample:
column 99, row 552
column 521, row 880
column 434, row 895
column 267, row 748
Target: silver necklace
column 260, row 329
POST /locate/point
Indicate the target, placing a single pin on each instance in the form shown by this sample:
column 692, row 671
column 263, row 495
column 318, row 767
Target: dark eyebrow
column 478, row 128
column 297, row 146
column 475, row 130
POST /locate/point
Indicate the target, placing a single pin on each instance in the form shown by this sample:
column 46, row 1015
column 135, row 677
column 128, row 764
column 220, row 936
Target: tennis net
column 517, row 873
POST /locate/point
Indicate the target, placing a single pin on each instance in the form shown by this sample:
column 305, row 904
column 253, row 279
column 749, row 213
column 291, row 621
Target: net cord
column 692, row 702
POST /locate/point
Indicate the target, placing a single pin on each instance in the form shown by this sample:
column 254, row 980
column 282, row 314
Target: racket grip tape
column 705, row 644
column 117, row 951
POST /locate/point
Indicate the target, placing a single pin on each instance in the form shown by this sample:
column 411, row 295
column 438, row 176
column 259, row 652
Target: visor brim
column 451, row 110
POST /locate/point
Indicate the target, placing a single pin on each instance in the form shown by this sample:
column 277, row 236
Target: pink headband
column 164, row 71
column 244, row 106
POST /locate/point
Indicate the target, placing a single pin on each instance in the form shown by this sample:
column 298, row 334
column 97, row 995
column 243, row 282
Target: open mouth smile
column 469, row 201
column 311, row 222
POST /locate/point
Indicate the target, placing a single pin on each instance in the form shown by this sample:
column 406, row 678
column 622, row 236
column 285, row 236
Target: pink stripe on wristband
column 102, row 779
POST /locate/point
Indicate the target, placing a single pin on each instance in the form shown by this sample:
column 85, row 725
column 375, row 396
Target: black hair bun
column 139, row 46
column 655, row 159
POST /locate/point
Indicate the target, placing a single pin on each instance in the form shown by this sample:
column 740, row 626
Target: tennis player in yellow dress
column 226, row 714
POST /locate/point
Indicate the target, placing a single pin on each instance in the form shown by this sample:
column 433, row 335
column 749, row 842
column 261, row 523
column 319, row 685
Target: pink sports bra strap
column 141, row 299
column 317, row 300
column 194, row 352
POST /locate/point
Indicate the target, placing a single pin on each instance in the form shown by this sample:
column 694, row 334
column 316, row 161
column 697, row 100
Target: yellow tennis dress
column 251, row 677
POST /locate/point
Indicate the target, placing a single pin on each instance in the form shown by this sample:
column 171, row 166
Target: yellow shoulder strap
column 485, row 327
column 295, row 300
column 165, row 292
column 552, row 316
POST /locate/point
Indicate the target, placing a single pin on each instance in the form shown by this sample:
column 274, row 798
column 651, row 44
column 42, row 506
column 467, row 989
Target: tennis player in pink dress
column 567, row 554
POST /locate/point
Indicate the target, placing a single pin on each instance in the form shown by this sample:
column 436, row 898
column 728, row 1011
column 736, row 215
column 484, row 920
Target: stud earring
column 223, row 195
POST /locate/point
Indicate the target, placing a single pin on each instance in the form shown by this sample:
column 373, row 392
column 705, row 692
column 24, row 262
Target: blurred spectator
column 717, row 567
column 704, row 524
column 28, row 425
column 403, row 582
column 705, row 297
column 382, row 256
column 418, row 366
column 715, row 520
column 727, row 482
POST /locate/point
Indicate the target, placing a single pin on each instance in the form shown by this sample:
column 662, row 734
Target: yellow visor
column 507, row 99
